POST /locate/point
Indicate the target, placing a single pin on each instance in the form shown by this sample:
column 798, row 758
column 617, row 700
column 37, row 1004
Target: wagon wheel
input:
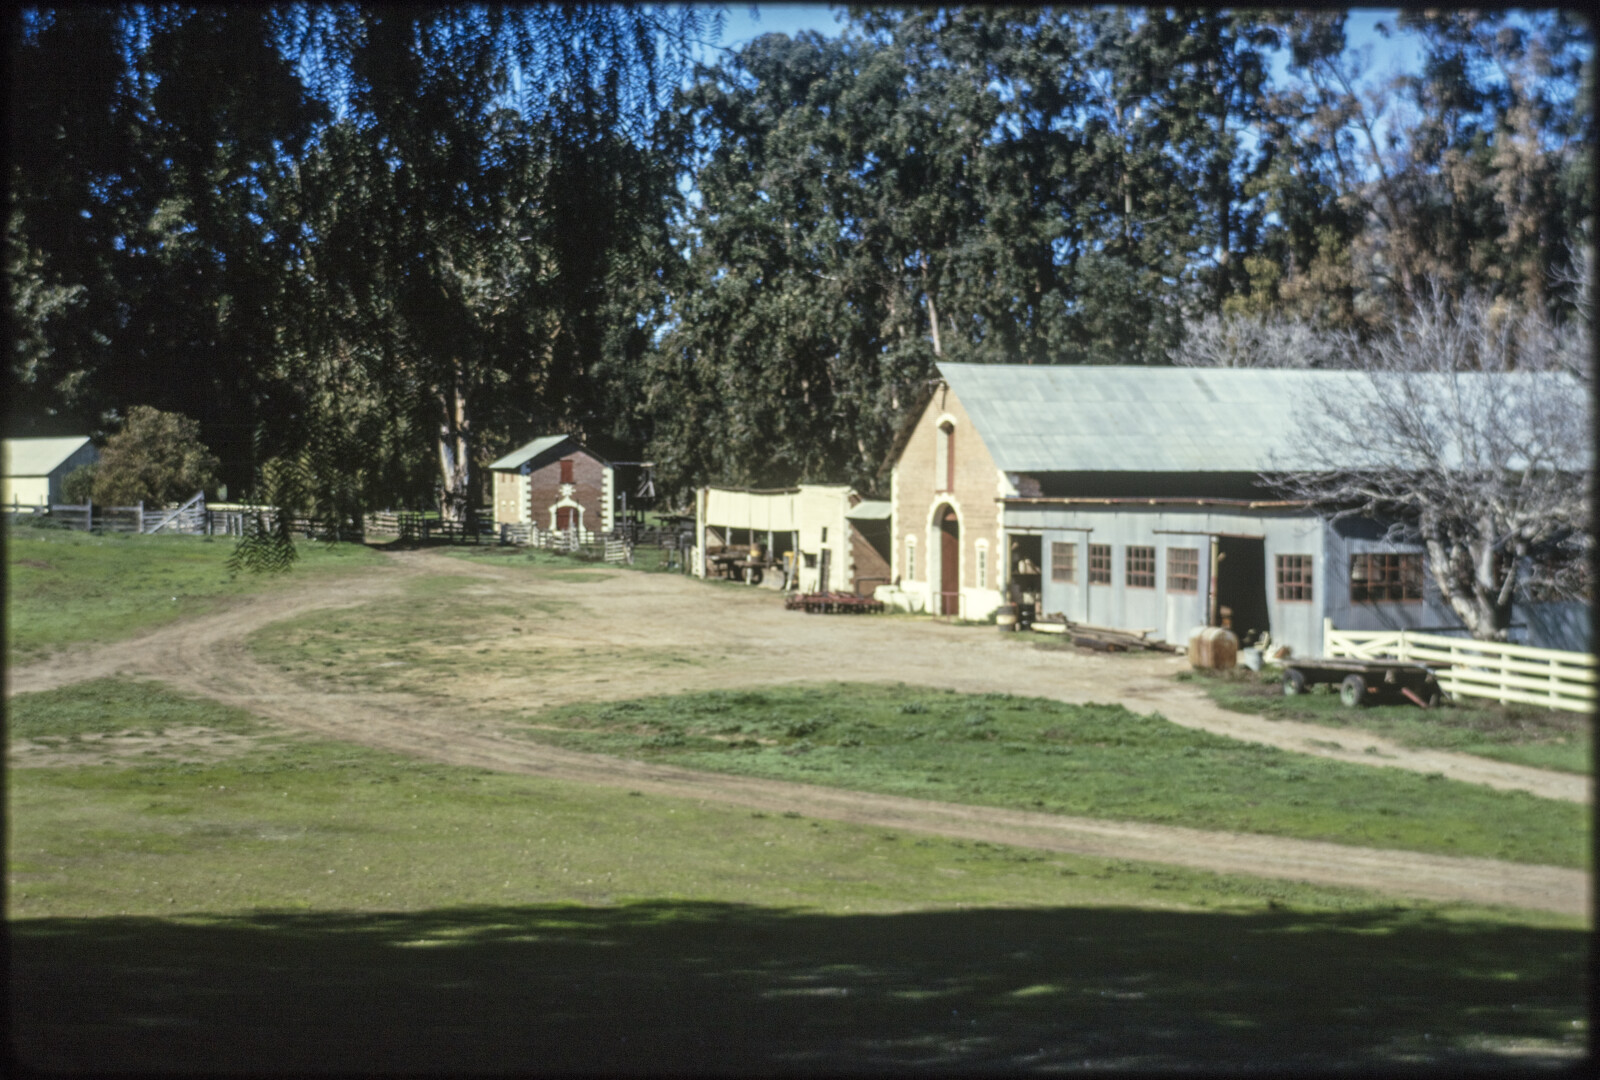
column 1294, row 682
column 753, row 575
column 1353, row 691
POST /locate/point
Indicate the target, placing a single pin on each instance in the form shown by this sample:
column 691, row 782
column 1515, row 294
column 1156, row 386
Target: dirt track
column 747, row 639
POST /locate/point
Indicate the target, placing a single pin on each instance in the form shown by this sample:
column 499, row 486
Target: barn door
column 1239, row 587
column 949, row 564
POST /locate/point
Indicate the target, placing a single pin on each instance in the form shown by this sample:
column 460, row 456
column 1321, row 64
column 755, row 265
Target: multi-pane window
column 911, row 558
column 1183, row 569
column 982, row 562
column 1379, row 577
column 1099, row 564
column 1064, row 562
column 1294, row 577
column 1141, row 567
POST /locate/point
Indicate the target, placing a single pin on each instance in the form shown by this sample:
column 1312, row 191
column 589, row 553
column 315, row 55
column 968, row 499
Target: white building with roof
column 1132, row 497
column 34, row 468
column 836, row 540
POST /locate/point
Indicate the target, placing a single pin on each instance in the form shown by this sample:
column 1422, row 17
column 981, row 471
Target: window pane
column 1183, row 569
column 1386, row 577
column 1064, row 562
column 1141, row 567
column 1100, row 564
column 1294, row 577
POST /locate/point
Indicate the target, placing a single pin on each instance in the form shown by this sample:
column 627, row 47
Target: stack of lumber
column 1105, row 638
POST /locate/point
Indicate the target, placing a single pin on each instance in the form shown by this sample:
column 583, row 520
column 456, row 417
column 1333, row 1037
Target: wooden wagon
column 1366, row 682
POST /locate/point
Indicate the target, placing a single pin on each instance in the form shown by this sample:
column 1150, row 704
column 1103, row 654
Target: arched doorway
column 949, row 561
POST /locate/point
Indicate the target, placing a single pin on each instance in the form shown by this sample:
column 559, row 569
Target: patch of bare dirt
column 744, row 637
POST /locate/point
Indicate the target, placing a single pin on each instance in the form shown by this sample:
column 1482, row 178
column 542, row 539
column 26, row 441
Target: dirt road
column 746, row 638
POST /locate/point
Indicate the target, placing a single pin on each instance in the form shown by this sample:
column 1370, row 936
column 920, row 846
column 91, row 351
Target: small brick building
column 554, row 483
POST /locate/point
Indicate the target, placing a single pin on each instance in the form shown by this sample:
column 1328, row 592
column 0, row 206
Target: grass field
column 65, row 587
column 306, row 904
column 301, row 823
column 1523, row 734
column 1094, row 760
column 227, row 894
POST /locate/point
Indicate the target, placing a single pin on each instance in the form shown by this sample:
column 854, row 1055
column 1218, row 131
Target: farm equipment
column 832, row 603
column 1367, row 682
column 741, row 562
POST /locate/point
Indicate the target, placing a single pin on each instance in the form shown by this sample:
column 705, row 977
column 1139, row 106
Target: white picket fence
column 1486, row 669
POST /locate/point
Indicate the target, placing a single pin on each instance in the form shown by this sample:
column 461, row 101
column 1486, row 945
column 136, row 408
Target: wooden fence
column 1486, row 669
column 414, row 526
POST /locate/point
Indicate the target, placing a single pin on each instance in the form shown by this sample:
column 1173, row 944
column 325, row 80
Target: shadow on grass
column 700, row 987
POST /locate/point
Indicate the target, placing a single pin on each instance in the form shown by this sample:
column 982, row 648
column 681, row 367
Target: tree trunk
column 1479, row 605
column 455, row 452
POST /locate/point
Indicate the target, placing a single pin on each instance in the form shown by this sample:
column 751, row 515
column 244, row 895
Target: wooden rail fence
column 1487, row 669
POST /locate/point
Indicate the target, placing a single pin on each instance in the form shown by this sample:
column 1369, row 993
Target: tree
column 1468, row 172
column 480, row 219
column 1258, row 341
column 157, row 457
column 1470, row 437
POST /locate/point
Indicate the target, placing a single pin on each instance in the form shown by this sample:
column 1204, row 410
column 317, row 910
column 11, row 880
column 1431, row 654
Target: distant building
column 34, row 468
column 554, row 483
column 1129, row 497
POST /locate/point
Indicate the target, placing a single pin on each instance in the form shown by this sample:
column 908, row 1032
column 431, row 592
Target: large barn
column 1130, row 497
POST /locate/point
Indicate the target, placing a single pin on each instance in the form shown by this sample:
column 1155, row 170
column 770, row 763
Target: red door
column 565, row 518
column 949, row 564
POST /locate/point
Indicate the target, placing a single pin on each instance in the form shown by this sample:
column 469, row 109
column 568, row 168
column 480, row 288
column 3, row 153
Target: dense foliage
column 156, row 458
column 370, row 247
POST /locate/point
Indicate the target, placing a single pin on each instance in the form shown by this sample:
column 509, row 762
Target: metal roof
column 870, row 510
column 40, row 457
column 523, row 454
column 1082, row 418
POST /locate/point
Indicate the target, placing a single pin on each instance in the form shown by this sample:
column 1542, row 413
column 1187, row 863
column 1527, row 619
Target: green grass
column 114, row 706
column 65, row 587
column 316, row 905
column 1094, row 760
column 1522, row 734
column 303, row 824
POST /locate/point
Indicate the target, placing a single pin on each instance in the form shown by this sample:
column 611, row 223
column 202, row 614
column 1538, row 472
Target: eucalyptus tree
column 69, row 147
column 479, row 216
column 145, row 263
column 1470, row 172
